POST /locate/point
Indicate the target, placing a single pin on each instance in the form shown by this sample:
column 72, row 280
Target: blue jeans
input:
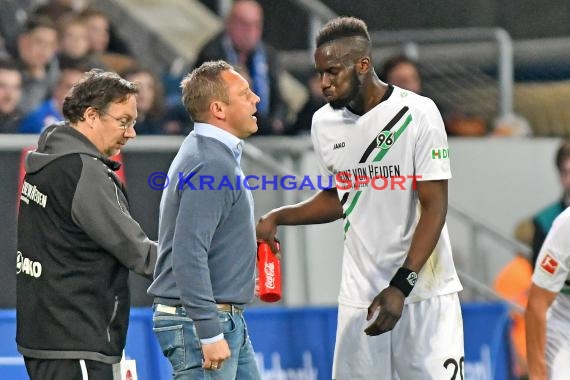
column 177, row 338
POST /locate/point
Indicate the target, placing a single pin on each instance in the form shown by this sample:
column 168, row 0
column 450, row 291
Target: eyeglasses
column 125, row 124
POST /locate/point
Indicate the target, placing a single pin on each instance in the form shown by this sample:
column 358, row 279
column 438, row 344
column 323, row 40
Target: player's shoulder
column 326, row 112
column 415, row 102
column 325, row 118
column 94, row 167
column 562, row 221
column 422, row 109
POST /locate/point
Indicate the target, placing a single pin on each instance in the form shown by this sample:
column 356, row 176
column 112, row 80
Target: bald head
column 245, row 25
column 245, row 7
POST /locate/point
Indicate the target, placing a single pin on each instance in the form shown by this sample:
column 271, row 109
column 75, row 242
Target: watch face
column 412, row 278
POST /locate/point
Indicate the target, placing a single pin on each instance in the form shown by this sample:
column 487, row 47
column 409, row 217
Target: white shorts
column 426, row 344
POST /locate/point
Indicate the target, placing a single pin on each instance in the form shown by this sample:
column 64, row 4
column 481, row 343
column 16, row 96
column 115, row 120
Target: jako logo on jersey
column 27, row 266
column 439, row 153
column 549, row 264
column 385, row 139
column 338, row 145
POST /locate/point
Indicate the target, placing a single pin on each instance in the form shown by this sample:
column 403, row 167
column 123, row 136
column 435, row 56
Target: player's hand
column 214, row 354
column 391, row 303
column 266, row 230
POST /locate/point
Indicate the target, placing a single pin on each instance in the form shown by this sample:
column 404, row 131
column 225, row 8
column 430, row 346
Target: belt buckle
column 236, row 309
column 229, row 308
column 225, row 308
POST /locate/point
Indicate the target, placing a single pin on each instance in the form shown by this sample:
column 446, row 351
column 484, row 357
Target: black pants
column 68, row 369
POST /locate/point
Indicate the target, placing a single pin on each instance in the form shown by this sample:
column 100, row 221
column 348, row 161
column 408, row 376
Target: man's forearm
column 425, row 238
column 536, row 343
column 323, row 207
column 539, row 301
column 433, row 203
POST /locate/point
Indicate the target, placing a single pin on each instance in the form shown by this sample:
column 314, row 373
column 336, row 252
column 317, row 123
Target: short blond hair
column 204, row 85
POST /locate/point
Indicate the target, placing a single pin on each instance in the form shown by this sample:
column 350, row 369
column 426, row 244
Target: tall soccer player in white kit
column 548, row 310
column 399, row 315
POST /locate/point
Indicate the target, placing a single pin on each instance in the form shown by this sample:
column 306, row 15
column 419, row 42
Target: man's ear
column 90, row 114
column 363, row 65
column 218, row 110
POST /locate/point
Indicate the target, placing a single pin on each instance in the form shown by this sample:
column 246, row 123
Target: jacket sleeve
column 100, row 208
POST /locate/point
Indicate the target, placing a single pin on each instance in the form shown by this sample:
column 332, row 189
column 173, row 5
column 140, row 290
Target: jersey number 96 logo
column 385, row 139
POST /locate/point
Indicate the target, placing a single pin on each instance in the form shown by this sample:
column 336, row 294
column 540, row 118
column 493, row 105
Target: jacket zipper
column 118, row 200
column 115, row 307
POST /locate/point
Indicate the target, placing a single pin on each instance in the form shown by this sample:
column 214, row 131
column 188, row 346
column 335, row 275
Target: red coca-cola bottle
column 269, row 272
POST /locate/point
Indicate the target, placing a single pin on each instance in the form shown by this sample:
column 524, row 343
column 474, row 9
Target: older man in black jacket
column 77, row 239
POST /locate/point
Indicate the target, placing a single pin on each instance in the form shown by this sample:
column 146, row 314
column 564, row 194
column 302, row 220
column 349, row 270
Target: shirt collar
column 234, row 143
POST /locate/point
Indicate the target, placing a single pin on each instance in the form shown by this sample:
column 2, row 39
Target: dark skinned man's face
column 339, row 81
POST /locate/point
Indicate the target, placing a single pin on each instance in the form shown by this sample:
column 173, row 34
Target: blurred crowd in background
column 45, row 49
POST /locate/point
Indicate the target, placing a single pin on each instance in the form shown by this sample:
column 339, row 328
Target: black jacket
column 76, row 244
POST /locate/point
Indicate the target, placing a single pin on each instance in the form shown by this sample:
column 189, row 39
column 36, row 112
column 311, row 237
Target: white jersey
column 552, row 270
column 400, row 139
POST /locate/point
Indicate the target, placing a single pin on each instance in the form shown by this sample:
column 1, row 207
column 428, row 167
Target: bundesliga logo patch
column 549, row 264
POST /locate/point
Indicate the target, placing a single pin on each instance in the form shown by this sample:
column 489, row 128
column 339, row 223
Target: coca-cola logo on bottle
column 269, row 269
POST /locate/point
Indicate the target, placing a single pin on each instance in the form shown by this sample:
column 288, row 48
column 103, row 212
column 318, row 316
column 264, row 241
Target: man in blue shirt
column 205, row 272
